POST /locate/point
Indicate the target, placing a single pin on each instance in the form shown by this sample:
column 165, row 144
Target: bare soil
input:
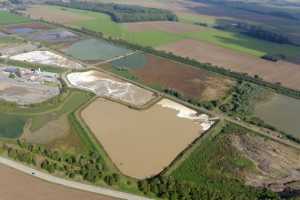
column 194, row 83
column 286, row 73
column 277, row 164
column 140, row 143
column 52, row 131
column 165, row 26
column 16, row 185
column 60, row 16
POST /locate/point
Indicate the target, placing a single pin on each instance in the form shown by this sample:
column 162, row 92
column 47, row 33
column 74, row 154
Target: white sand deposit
column 104, row 85
column 188, row 113
column 46, row 58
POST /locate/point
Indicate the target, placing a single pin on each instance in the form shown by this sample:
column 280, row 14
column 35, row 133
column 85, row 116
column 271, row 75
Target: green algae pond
column 281, row 112
column 11, row 126
column 95, row 50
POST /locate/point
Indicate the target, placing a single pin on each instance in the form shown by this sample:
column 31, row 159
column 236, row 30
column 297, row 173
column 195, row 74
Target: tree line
column 120, row 12
column 261, row 33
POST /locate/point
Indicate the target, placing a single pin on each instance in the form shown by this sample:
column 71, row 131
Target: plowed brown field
column 286, row 73
column 172, row 27
column 16, row 185
column 193, row 83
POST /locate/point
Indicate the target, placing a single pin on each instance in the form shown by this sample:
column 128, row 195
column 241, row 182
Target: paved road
column 68, row 183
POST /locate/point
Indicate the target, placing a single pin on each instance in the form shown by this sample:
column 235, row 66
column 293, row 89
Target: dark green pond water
column 281, row 112
column 95, row 50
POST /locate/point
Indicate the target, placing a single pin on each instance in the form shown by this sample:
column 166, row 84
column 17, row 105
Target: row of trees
column 261, row 33
column 169, row 188
column 120, row 12
column 90, row 167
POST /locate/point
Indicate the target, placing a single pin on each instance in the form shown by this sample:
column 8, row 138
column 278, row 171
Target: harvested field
column 17, row 185
column 105, row 85
column 46, row 58
column 172, row 27
column 278, row 165
column 191, row 82
column 286, row 73
column 94, row 50
column 147, row 141
column 281, row 112
column 59, row 15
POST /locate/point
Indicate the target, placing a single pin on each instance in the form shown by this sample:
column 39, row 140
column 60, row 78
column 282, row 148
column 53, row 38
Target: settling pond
column 11, row 126
column 95, row 50
column 142, row 143
column 281, row 112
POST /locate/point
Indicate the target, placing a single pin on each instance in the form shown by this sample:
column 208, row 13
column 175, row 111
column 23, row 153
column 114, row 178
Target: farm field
column 95, row 50
column 161, row 73
column 130, row 144
column 281, row 112
column 15, row 184
column 233, row 156
column 7, row 18
column 104, row 85
column 285, row 73
column 101, row 23
column 157, row 34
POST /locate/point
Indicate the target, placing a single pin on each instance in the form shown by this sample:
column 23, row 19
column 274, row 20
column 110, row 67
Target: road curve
column 68, row 183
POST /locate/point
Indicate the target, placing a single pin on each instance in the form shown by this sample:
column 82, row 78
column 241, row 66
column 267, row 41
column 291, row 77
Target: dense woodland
column 120, row 12
column 261, row 33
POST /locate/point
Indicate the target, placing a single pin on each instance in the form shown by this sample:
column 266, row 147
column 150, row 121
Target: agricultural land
column 168, row 100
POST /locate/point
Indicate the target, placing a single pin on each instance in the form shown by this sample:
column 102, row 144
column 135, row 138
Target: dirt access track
column 17, row 185
column 283, row 72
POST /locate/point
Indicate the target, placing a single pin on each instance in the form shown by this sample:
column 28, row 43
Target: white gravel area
column 188, row 113
column 47, row 58
column 104, row 85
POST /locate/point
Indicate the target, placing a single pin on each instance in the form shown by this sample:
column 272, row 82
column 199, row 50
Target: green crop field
column 9, row 18
column 243, row 43
column 102, row 23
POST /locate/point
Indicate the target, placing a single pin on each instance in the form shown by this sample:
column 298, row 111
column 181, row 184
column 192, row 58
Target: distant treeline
column 120, row 12
column 255, row 8
column 261, row 33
